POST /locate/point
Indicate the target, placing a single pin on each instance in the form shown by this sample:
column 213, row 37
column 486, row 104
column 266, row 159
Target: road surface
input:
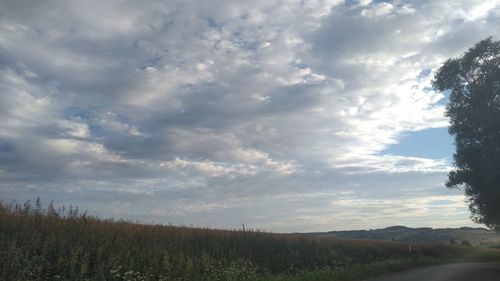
column 449, row 272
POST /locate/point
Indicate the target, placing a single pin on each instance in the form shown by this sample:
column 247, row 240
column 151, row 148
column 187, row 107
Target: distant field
column 476, row 236
column 38, row 244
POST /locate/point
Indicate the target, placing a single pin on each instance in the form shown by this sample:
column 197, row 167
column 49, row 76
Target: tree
column 473, row 82
column 38, row 206
column 466, row 243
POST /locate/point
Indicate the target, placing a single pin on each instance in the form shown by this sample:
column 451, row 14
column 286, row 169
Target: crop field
column 64, row 244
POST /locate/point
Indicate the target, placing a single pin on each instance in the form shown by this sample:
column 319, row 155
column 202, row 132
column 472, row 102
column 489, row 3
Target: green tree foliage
column 466, row 243
column 473, row 81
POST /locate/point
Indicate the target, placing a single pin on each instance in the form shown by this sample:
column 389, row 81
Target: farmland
column 65, row 244
column 481, row 237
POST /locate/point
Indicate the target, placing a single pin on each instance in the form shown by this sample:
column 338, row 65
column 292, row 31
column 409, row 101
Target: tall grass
column 64, row 244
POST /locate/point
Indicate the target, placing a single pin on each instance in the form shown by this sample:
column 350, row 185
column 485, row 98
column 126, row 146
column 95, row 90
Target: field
column 64, row 244
column 475, row 236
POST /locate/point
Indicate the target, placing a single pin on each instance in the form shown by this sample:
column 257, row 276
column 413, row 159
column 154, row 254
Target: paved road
column 450, row 272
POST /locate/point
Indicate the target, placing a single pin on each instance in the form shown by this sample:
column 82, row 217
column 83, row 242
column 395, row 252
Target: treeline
column 65, row 244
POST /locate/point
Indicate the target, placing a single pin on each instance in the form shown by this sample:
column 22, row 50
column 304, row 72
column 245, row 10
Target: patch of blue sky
column 76, row 111
column 97, row 131
column 435, row 143
column 446, row 98
column 424, row 73
column 5, row 147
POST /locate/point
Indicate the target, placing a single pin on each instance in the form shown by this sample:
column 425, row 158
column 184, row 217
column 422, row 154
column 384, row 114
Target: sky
column 285, row 116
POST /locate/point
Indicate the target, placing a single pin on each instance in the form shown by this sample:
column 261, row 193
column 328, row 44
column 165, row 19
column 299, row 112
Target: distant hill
column 477, row 236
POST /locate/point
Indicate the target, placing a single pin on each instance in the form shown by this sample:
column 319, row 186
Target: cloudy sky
column 280, row 115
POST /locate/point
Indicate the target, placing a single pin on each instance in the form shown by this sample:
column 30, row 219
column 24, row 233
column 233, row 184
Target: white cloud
column 209, row 168
column 480, row 10
column 251, row 163
column 74, row 128
column 390, row 164
column 364, row 2
column 377, row 10
column 109, row 121
column 208, row 102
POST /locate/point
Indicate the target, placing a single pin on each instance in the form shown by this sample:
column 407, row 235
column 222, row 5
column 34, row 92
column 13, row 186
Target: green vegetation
column 465, row 235
column 38, row 244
